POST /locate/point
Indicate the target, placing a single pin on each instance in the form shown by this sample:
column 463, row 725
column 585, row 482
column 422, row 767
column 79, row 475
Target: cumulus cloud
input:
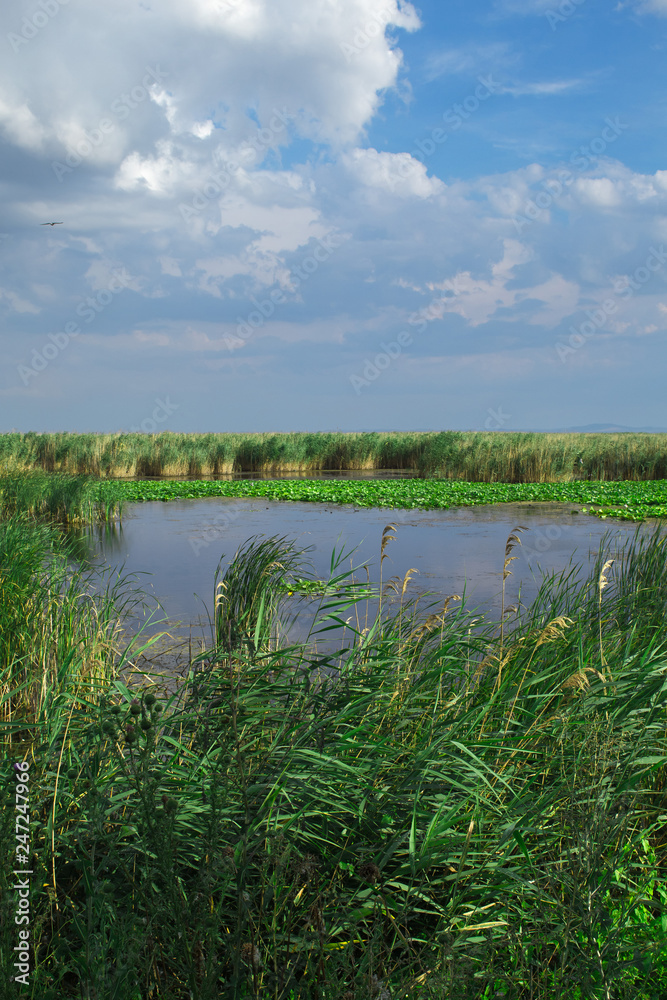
column 290, row 40
column 478, row 299
column 200, row 131
column 600, row 191
column 394, row 173
column 211, row 171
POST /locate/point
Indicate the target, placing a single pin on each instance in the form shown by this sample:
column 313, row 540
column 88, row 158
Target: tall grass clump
column 471, row 456
column 460, row 808
column 248, row 598
column 59, row 497
column 59, row 635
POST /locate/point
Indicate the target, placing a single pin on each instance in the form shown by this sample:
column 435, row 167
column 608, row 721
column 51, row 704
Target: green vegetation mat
column 631, row 501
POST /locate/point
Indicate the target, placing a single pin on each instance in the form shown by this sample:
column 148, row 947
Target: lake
column 175, row 547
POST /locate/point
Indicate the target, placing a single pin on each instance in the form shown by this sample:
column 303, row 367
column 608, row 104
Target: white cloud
column 653, row 7
column 20, row 125
column 262, row 268
column 524, row 8
column 598, row 191
column 469, row 59
column 541, row 88
column 256, row 55
column 170, row 266
column 17, row 303
column 159, row 174
column 284, row 227
column 478, row 300
column 202, row 130
column 395, row 173
column 102, row 274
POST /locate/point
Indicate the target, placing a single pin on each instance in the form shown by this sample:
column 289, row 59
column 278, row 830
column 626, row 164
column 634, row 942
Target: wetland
column 454, row 811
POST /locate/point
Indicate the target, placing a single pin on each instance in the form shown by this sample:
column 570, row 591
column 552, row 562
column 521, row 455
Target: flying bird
column 51, row 223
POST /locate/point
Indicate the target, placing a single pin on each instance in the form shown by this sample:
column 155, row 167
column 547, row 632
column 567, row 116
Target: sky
column 321, row 215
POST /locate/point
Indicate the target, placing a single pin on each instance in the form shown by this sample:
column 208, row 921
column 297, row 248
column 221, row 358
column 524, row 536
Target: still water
column 175, row 547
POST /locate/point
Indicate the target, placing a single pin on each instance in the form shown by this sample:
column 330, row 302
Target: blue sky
column 303, row 215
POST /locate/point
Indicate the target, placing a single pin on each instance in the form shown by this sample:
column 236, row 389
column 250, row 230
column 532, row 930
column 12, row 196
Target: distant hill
column 612, row 429
column 584, row 429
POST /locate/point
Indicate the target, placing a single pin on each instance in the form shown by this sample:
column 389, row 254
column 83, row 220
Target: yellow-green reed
column 467, row 455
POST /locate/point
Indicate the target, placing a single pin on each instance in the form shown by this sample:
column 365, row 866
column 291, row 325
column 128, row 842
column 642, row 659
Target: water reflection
column 175, row 548
column 295, row 474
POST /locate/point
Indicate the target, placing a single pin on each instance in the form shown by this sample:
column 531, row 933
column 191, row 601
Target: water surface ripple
column 180, row 543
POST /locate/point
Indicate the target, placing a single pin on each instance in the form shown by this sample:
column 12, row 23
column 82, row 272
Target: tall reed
column 59, row 497
column 470, row 456
column 393, row 828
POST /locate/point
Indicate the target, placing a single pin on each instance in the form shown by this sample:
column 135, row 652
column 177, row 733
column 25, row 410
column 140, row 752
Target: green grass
column 459, row 455
column 630, row 501
column 58, row 496
column 76, row 498
column 468, row 811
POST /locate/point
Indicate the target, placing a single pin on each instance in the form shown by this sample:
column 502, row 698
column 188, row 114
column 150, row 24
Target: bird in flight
column 51, row 223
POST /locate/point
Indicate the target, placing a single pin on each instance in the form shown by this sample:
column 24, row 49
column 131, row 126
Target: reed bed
column 464, row 809
column 470, row 456
column 59, row 497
